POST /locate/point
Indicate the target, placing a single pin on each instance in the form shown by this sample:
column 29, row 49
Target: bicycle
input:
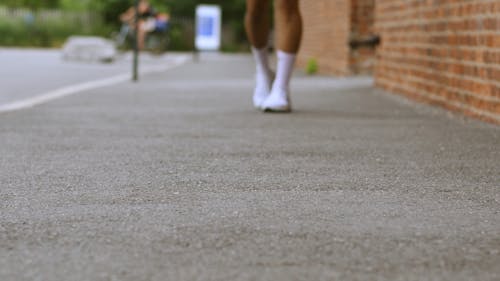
column 156, row 42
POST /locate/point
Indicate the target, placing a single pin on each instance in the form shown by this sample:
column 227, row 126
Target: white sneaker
column 262, row 90
column 259, row 96
column 277, row 101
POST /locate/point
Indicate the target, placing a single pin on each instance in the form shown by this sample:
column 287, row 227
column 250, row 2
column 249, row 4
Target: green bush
column 181, row 38
column 312, row 66
column 50, row 32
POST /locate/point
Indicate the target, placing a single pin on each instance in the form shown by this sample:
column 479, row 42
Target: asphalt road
column 27, row 73
column 179, row 178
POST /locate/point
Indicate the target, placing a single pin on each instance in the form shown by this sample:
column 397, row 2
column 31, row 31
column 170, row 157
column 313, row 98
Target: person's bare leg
column 257, row 22
column 257, row 25
column 289, row 25
column 289, row 35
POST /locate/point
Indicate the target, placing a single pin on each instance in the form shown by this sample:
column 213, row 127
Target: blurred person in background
column 269, row 95
column 162, row 22
column 147, row 21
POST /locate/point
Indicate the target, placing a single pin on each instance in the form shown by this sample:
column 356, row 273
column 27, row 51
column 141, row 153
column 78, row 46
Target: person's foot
column 277, row 101
column 262, row 89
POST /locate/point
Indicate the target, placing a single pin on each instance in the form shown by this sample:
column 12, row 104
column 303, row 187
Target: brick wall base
column 445, row 53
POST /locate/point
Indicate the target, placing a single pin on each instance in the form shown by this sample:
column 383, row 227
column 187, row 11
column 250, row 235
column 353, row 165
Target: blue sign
column 206, row 26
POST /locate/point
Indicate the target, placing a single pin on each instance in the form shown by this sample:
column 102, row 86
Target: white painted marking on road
column 86, row 86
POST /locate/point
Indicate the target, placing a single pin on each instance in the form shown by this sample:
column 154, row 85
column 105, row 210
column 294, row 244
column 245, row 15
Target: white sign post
column 208, row 27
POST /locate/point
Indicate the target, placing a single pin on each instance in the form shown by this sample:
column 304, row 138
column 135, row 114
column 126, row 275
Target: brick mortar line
column 422, row 20
column 458, row 90
column 469, row 63
column 395, row 7
column 400, row 28
column 451, row 75
column 460, row 47
column 446, row 47
column 444, row 100
column 421, row 7
column 451, row 3
column 446, row 60
column 412, row 14
column 386, row 20
column 403, row 35
column 451, row 32
column 433, row 21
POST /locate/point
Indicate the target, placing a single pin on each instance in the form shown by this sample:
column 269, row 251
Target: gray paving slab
column 179, row 178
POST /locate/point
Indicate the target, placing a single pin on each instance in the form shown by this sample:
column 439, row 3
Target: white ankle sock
column 286, row 62
column 263, row 77
column 263, row 71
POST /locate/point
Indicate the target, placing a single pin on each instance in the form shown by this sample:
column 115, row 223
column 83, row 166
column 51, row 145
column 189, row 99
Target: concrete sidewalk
column 179, row 178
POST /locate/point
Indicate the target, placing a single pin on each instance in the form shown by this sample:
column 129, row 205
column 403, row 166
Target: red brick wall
column 444, row 52
column 362, row 59
column 326, row 35
column 329, row 26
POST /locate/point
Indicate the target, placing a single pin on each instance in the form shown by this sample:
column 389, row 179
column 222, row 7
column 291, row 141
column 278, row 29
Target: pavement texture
column 179, row 178
column 26, row 73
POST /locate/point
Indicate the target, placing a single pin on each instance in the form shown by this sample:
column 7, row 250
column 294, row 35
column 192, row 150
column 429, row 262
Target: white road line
column 86, row 86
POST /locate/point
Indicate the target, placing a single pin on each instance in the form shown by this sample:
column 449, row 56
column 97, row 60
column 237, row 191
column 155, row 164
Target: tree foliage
column 32, row 4
column 233, row 9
